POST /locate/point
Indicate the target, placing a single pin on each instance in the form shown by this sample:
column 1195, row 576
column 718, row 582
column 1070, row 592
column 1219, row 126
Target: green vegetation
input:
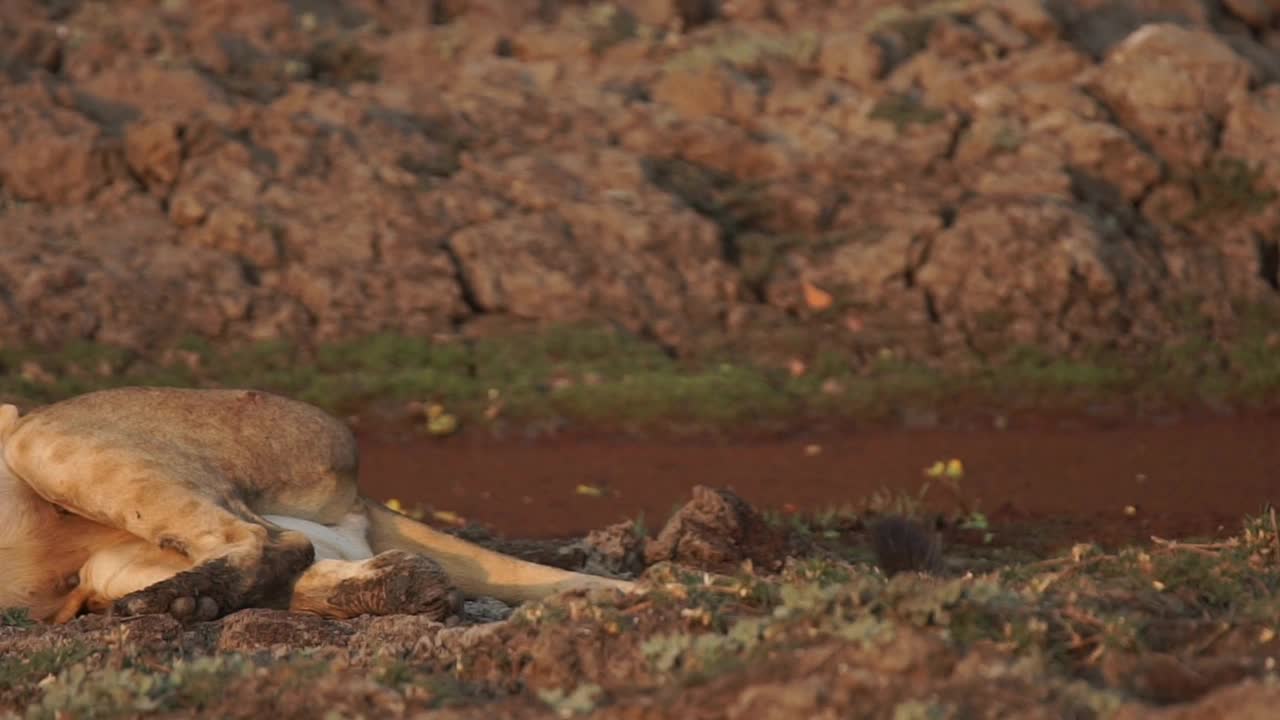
column 1044, row 625
column 128, row 692
column 15, row 617
column 76, row 688
column 1229, row 188
column 607, row 25
column 21, row 669
column 1062, row 614
column 904, row 110
column 913, row 25
column 600, row 378
column 748, row 51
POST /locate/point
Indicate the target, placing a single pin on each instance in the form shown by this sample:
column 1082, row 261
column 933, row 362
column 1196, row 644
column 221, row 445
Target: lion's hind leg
column 171, row 501
column 72, row 605
column 390, row 583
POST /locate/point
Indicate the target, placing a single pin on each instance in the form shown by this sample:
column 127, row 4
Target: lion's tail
column 8, row 421
column 475, row 570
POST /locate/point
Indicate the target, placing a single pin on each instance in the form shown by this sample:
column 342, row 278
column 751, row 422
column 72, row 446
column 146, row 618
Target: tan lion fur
column 157, row 499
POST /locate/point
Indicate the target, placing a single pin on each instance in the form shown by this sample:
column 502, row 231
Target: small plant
column 904, row 110
column 16, row 617
column 580, row 701
column 1229, row 187
column 950, row 473
column 16, row 670
column 607, row 25
column 128, row 692
column 638, row 528
column 976, row 520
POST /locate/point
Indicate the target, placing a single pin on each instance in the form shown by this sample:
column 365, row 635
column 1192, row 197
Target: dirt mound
column 918, row 178
column 718, row 531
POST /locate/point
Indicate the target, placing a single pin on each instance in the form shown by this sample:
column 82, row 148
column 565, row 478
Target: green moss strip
column 598, row 378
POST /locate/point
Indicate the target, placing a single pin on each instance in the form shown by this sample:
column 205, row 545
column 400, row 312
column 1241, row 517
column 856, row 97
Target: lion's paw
column 191, row 595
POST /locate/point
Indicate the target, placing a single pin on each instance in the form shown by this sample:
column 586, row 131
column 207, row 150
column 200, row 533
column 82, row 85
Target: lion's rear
column 293, row 456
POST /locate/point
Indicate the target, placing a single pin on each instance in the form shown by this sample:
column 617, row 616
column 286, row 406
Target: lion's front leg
column 256, row 566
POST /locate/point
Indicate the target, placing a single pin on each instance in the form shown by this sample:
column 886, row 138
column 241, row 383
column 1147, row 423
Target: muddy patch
column 1061, row 480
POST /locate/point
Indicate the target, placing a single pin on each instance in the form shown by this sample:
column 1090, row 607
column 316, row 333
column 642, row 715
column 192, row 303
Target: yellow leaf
column 591, row 490
column 442, row 425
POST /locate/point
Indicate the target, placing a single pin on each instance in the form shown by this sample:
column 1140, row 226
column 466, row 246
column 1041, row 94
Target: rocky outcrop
column 949, row 179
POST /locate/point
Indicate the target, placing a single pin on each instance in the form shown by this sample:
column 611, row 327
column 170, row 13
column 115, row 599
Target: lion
column 200, row 502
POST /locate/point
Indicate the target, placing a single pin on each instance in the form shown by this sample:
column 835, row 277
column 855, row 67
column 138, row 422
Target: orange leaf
column 815, row 297
column 797, row 367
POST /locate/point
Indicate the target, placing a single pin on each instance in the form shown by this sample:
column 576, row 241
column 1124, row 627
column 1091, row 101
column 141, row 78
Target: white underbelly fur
column 348, row 540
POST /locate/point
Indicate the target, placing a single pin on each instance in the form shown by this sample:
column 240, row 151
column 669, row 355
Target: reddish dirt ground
column 1060, row 481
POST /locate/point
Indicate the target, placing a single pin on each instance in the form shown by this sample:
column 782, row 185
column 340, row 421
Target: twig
column 152, row 665
column 1202, row 548
column 1215, row 636
column 1063, row 559
column 1097, row 653
column 1049, row 562
column 1081, row 616
column 1275, row 532
column 638, row 607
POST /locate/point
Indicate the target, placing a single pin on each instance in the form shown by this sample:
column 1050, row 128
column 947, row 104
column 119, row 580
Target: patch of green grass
column 16, row 617
column 444, row 689
column 602, row 377
column 722, row 397
column 17, row 670
column 1029, row 370
column 1254, row 359
column 129, row 692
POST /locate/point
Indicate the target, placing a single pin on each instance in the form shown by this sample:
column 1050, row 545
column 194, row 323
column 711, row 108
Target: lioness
column 198, row 503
